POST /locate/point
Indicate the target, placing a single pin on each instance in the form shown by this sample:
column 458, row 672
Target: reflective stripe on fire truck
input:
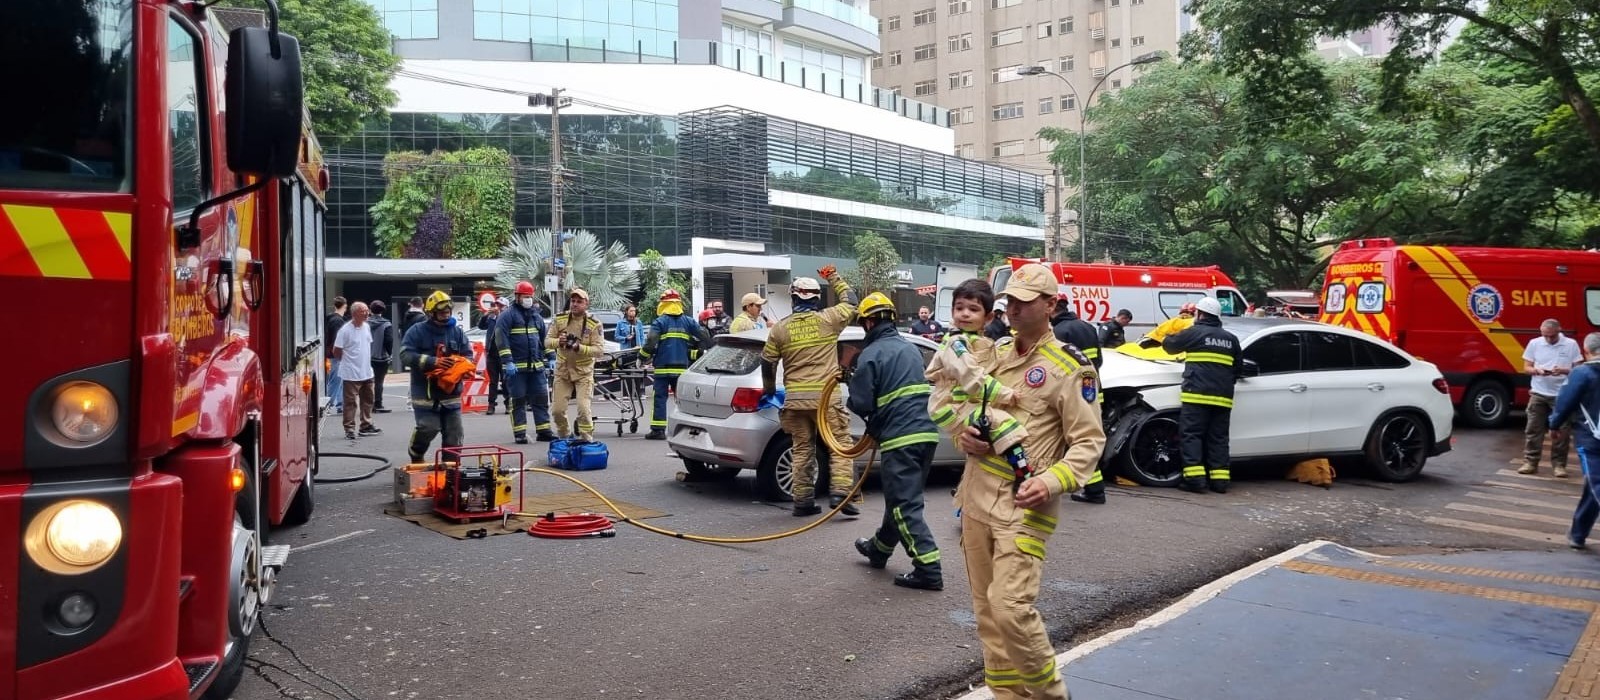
column 1457, row 281
column 64, row 242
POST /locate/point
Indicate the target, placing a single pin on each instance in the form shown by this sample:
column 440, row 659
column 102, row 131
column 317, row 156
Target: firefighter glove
column 509, row 369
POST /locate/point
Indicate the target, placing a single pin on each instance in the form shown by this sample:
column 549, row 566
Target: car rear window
column 729, row 357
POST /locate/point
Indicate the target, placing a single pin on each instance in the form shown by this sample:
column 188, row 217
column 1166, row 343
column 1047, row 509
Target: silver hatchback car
column 716, row 427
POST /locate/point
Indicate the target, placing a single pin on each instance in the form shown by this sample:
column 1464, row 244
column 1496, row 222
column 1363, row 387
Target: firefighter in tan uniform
column 806, row 342
column 1004, row 529
column 577, row 339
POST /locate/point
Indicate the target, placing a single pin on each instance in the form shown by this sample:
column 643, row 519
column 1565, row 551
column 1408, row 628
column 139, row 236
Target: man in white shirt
column 1548, row 360
column 353, row 347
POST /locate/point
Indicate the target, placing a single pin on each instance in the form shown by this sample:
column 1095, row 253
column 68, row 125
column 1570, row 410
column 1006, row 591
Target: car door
column 1271, row 408
column 1342, row 394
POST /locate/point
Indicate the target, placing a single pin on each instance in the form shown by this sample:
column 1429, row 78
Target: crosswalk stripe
column 1493, row 529
column 1533, row 517
column 1564, row 493
column 1518, row 501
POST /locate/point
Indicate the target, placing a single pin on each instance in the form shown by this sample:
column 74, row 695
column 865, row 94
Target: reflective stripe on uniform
column 802, row 386
column 1094, row 478
column 1044, row 676
column 680, row 335
column 1194, row 472
column 944, row 417
column 996, row 466
column 907, row 390
column 1006, row 428
column 669, row 371
column 912, row 439
column 1039, row 521
column 1059, row 358
column 658, row 423
column 1031, row 546
column 1064, row 475
column 1090, row 352
column 1001, row 678
column 1205, row 399
column 911, row 542
column 1221, row 474
column 1216, row 357
column 957, row 394
column 524, row 330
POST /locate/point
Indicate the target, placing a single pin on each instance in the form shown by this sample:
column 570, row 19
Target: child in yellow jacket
column 963, row 392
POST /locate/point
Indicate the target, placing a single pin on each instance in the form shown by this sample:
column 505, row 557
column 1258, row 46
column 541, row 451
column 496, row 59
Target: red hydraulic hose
column 566, row 527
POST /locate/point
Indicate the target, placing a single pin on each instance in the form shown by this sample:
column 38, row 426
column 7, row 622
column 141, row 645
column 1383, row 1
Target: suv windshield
column 71, row 59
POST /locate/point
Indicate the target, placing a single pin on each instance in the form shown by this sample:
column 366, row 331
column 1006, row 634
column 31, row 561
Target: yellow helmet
column 875, row 303
column 434, row 300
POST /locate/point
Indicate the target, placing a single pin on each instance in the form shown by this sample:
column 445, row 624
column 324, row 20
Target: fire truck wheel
column 303, row 505
column 1486, row 404
column 231, row 672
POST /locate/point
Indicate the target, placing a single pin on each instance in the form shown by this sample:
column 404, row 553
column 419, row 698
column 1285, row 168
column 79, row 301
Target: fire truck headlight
column 73, row 537
column 84, row 412
column 76, row 611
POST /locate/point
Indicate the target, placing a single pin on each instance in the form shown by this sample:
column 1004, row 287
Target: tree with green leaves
column 347, row 59
column 658, row 278
column 876, row 263
column 1177, row 178
column 600, row 270
column 1264, row 42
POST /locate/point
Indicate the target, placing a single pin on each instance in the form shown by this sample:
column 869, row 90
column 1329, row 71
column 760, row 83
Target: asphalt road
column 392, row 610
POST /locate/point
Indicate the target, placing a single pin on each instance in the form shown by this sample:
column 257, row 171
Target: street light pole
column 1083, row 113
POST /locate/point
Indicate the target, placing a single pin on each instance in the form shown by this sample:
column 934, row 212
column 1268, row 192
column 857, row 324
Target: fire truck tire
column 230, row 673
column 1486, row 404
column 304, row 503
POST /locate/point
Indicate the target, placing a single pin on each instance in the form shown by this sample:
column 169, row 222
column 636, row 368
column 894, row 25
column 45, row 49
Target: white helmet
column 805, row 288
column 1209, row 305
column 1000, row 304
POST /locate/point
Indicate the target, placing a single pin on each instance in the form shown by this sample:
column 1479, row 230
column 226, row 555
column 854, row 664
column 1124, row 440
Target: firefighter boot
column 805, row 508
column 926, row 579
column 849, row 509
column 656, row 434
column 545, row 436
column 1193, row 484
column 869, row 549
column 1218, row 485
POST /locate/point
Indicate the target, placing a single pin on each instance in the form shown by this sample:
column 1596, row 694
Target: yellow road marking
column 1485, row 592
column 1568, row 581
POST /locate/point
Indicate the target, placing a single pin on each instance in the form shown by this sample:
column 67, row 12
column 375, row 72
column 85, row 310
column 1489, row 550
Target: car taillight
column 1442, row 386
column 746, row 400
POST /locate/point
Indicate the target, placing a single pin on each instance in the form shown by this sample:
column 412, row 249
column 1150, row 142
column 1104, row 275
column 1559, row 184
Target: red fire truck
column 1096, row 291
column 1471, row 311
column 160, row 245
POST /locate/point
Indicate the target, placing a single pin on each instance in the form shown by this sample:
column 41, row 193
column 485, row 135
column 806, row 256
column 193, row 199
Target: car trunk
column 708, row 387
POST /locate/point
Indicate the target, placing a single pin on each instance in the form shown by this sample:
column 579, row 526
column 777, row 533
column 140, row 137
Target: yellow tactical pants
column 565, row 386
column 1003, row 566
column 801, row 425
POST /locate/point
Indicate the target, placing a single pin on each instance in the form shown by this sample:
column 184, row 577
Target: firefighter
column 520, row 338
column 1081, row 334
column 806, row 342
column 576, row 338
column 1211, row 366
column 889, row 392
column 674, row 340
column 435, row 343
column 498, row 383
column 1004, row 527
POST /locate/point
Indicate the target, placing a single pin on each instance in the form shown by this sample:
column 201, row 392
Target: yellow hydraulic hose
column 834, row 443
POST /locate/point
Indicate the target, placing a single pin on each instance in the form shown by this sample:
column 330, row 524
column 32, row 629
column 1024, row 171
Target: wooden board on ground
column 559, row 503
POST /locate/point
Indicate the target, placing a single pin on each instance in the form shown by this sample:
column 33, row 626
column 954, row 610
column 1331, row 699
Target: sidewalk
column 1323, row 621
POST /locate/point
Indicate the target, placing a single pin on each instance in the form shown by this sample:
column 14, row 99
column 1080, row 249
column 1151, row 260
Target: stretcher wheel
column 619, row 428
column 633, row 427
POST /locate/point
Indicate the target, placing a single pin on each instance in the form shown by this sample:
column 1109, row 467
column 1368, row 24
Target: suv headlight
column 84, row 413
column 73, row 537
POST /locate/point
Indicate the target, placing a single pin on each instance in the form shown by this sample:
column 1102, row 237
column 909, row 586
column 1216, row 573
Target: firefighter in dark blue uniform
column 1081, row 335
column 436, row 343
column 889, row 391
column 1212, row 365
column 519, row 337
column 671, row 344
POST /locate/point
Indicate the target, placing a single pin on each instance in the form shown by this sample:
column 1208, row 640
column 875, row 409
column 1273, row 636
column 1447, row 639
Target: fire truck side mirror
column 265, row 102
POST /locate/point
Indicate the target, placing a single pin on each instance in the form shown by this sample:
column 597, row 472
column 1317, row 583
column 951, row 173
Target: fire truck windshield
column 69, row 70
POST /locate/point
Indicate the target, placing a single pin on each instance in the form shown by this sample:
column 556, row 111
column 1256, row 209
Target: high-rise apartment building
column 964, row 55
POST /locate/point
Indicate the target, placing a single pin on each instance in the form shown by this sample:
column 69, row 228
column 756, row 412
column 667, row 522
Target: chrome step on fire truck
column 161, row 244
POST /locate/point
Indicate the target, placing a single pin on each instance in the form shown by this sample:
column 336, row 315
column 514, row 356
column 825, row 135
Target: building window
column 1047, row 105
column 412, row 19
column 877, row 61
column 1064, row 26
column 960, row 80
column 891, row 24
column 966, row 115
column 1068, row 103
column 1044, row 29
column 1064, row 65
column 1006, row 37
column 1116, row 43
column 924, row 87
column 966, row 150
column 1009, row 110
column 1004, row 75
column 1138, row 2
column 1005, row 149
column 1116, row 83
column 1116, row 3
column 960, row 6
column 960, row 42
column 921, row 17
column 923, row 53
column 1138, row 41
column 894, row 58
column 997, row 4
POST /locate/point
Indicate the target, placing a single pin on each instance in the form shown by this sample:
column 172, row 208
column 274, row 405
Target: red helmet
column 1188, row 308
column 525, row 287
column 671, row 295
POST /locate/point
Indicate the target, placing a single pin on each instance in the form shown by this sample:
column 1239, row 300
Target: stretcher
column 619, row 381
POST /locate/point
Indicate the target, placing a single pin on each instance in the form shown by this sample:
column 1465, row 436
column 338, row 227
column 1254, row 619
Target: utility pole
column 558, row 252
column 1052, row 249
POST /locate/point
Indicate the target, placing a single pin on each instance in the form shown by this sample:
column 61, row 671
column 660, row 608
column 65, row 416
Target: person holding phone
column 1548, row 360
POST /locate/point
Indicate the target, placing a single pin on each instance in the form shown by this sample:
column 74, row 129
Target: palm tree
column 600, row 271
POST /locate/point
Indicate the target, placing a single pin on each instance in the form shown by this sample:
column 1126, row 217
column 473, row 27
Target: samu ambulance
column 1153, row 294
column 1471, row 311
